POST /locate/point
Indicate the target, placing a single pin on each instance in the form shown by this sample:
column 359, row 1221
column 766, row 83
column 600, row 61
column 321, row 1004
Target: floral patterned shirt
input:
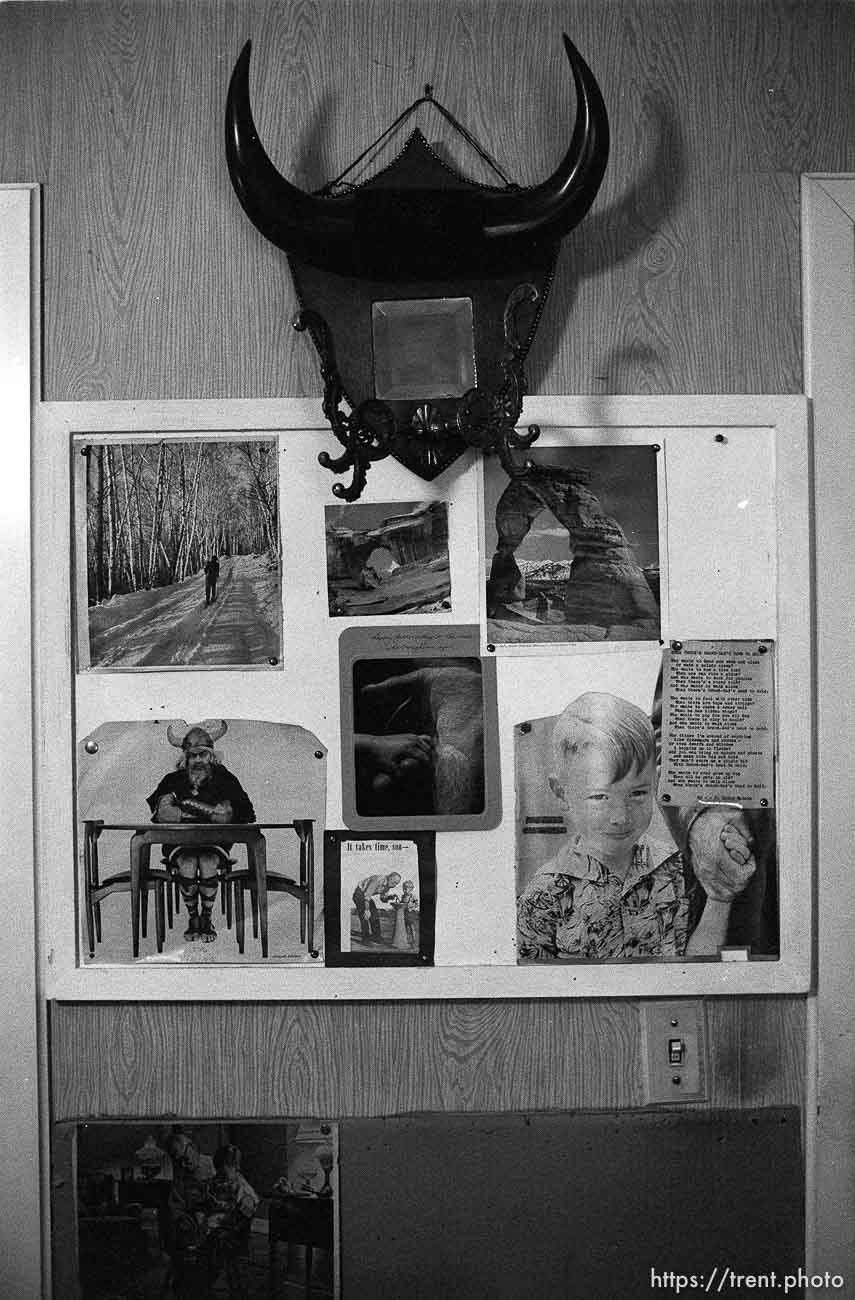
column 574, row 907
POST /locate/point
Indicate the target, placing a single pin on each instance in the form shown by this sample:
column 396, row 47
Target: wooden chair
column 97, row 889
column 303, row 889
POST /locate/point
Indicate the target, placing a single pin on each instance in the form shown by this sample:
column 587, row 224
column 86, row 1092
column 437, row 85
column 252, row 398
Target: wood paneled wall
column 347, row 1059
column 684, row 278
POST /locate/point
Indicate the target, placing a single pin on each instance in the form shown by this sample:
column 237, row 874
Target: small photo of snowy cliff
column 179, row 554
column 388, row 559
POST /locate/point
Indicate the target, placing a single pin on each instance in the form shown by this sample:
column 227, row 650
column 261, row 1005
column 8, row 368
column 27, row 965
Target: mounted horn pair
column 385, row 232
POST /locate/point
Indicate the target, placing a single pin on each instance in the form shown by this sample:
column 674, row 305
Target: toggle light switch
column 674, row 1051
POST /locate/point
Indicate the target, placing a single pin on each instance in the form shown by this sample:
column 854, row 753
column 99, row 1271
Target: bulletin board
column 330, row 632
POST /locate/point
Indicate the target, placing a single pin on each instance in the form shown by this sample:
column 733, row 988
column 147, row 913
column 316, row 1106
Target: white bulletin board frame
column 475, row 917
column 828, row 295
column 23, row 1072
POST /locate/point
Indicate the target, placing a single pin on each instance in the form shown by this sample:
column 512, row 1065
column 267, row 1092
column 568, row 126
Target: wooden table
column 140, row 873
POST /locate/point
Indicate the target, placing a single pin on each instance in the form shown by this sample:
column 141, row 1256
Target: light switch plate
column 662, row 1022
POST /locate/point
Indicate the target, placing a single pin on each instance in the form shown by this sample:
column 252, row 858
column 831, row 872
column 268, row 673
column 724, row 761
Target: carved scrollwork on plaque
column 364, row 433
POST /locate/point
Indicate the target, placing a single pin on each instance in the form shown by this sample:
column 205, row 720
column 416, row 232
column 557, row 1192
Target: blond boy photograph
column 619, row 887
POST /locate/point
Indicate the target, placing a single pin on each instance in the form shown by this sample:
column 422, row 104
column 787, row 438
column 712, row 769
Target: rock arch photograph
column 572, row 547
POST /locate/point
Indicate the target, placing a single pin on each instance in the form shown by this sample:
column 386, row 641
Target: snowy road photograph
column 181, row 546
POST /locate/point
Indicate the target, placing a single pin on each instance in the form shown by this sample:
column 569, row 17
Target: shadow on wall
column 609, row 237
